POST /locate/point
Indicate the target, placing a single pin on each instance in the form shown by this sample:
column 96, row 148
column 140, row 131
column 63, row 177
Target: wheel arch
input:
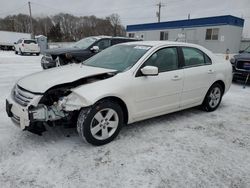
column 121, row 103
column 222, row 84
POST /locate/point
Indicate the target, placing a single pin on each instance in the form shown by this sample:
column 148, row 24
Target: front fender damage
column 60, row 105
column 73, row 102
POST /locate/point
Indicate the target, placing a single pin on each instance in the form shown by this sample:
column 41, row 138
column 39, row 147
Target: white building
column 215, row 33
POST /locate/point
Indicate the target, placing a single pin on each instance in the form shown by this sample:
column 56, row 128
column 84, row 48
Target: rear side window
column 116, row 41
column 30, row 42
column 207, row 60
column 193, row 57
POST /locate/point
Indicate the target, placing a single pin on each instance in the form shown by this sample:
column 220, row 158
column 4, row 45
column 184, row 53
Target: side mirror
column 95, row 49
column 241, row 51
column 150, row 71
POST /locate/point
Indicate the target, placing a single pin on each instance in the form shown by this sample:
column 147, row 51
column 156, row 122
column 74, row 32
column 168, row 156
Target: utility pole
column 31, row 25
column 158, row 14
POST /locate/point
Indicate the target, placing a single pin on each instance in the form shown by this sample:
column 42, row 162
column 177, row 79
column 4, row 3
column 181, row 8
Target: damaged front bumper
column 25, row 116
column 18, row 114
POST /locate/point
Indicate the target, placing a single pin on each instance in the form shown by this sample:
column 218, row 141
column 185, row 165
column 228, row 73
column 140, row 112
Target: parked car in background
column 241, row 64
column 80, row 51
column 27, row 46
column 123, row 84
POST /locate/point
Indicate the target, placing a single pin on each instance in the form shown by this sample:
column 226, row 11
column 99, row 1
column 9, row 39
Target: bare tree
column 69, row 27
column 115, row 22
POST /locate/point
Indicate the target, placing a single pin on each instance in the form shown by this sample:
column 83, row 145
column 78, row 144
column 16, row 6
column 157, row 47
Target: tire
column 213, row 98
column 16, row 52
column 37, row 54
column 94, row 126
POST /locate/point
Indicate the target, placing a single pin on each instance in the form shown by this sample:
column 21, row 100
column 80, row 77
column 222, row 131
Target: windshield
column 120, row 58
column 247, row 50
column 29, row 42
column 84, row 43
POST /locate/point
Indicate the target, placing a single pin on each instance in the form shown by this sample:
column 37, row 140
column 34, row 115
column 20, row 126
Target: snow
column 191, row 148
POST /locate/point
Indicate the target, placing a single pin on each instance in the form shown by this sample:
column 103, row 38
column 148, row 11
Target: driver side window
column 165, row 59
column 103, row 44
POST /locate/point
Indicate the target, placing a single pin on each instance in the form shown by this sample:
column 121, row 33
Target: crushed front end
column 32, row 111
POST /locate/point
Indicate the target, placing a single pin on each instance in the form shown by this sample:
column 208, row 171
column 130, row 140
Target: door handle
column 210, row 71
column 176, row 77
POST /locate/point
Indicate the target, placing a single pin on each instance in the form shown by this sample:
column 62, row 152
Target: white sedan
column 121, row 85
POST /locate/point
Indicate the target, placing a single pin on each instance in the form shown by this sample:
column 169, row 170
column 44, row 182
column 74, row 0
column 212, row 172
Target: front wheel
column 213, row 98
column 101, row 123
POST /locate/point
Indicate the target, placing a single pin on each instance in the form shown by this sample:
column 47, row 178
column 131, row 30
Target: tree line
column 64, row 27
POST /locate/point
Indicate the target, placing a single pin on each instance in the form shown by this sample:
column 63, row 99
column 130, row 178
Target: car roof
column 110, row 37
column 29, row 39
column 162, row 43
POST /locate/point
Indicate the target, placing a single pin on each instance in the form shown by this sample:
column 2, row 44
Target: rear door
column 198, row 76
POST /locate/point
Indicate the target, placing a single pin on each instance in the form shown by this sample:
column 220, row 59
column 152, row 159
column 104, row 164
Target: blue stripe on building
column 198, row 22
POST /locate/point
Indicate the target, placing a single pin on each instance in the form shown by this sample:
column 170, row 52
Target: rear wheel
column 213, row 98
column 101, row 123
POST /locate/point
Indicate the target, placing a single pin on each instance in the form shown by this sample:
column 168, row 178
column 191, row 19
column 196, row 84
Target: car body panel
column 44, row 80
column 156, row 94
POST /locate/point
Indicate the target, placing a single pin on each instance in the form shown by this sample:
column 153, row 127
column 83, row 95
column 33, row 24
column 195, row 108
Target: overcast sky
column 131, row 11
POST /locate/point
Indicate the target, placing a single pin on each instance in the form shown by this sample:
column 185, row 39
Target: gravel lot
column 190, row 148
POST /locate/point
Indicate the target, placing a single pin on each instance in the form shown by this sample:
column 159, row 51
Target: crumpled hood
column 40, row 82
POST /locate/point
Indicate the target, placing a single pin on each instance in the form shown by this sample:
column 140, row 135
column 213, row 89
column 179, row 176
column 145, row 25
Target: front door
column 156, row 95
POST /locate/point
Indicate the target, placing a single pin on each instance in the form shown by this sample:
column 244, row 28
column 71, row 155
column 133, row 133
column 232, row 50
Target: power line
column 94, row 11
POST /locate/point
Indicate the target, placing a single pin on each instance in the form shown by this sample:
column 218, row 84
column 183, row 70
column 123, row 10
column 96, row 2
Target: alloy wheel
column 104, row 124
column 214, row 97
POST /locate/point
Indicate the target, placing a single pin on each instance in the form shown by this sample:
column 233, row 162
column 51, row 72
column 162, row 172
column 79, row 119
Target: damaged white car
column 121, row 85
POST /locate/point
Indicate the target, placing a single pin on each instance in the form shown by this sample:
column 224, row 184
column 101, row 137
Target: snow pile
column 190, row 148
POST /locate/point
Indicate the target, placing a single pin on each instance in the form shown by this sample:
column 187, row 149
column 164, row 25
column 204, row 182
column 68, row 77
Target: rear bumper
column 31, row 51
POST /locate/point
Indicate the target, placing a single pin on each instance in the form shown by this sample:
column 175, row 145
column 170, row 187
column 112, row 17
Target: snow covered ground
column 190, row 148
